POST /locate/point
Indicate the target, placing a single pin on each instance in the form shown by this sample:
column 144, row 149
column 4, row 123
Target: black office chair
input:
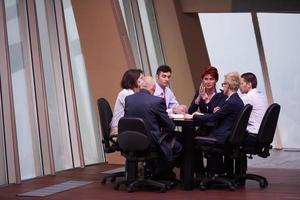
column 137, row 145
column 262, row 147
column 109, row 145
column 231, row 150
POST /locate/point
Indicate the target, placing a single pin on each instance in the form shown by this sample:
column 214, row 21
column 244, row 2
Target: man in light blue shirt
column 163, row 77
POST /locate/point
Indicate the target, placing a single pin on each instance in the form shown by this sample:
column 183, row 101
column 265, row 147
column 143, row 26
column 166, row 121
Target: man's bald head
column 148, row 84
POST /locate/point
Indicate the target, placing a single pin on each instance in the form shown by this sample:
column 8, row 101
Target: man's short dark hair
column 250, row 78
column 164, row 69
column 130, row 77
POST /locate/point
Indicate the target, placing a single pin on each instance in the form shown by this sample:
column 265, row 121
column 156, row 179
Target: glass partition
column 281, row 39
column 23, row 89
column 56, row 100
column 151, row 34
column 140, row 20
column 3, row 176
column 93, row 153
column 231, row 44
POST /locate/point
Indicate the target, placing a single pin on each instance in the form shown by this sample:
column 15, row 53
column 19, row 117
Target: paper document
column 176, row 116
column 198, row 113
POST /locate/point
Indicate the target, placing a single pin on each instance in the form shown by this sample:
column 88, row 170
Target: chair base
column 112, row 177
column 217, row 181
column 263, row 183
column 145, row 183
column 163, row 186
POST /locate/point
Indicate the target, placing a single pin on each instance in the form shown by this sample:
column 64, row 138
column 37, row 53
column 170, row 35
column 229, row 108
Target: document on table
column 198, row 113
column 176, row 116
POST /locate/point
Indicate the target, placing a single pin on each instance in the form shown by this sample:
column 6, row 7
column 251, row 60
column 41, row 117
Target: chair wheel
column 117, row 186
column 242, row 182
column 231, row 188
column 168, row 186
column 163, row 190
column 202, row 187
column 103, row 181
column 130, row 189
column 263, row 184
column 113, row 179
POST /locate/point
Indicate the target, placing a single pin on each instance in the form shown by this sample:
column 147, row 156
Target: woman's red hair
column 211, row 71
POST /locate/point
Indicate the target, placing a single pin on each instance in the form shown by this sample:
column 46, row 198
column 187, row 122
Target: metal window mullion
column 264, row 68
column 30, row 89
column 9, row 123
column 140, row 37
column 42, row 108
column 76, row 142
column 155, row 31
column 132, row 34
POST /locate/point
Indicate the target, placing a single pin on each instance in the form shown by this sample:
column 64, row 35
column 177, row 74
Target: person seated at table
column 152, row 110
column 163, row 78
column 250, row 95
column 130, row 83
column 227, row 113
column 224, row 117
column 207, row 97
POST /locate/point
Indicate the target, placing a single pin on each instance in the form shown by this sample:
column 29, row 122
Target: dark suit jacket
column 152, row 110
column 224, row 118
column 217, row 100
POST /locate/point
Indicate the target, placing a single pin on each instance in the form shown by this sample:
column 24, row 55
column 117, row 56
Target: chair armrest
column 162, row 137
column 111, row 138
column 207, row 140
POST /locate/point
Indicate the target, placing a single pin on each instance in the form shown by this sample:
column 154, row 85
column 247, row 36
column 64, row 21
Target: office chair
column 109, row 145
column 262, row 147
column 231, row 150
column 137, row 145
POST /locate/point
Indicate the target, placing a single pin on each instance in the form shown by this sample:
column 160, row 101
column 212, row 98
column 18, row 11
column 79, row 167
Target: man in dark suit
column 152, row 110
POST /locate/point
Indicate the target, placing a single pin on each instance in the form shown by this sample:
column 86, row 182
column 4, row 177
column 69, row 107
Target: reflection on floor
column 284, row 183
column 280, row 159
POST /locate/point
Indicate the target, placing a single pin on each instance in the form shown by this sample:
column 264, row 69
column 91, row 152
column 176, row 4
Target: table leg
column 189, row 158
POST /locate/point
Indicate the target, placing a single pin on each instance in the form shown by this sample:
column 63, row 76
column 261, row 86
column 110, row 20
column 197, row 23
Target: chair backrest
column 238, row 133
column 268, row 125
column 106, row 115
column 133, row 135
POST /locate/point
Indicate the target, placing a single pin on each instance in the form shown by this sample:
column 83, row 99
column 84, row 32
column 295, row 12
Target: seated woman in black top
column 207, row 98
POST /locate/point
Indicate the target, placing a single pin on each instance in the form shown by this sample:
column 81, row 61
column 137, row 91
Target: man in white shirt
column 163, row 77
column 250, row 95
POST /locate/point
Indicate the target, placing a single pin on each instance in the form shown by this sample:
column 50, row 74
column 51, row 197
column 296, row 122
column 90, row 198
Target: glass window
column 231, row 44
column 280, row 35
column 3, row 177
column 23, row 89
column 151, row 34
column 140, row 21
column 56, row 99
column 93, row 153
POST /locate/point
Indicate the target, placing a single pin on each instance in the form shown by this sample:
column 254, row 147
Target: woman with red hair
column 207, row 98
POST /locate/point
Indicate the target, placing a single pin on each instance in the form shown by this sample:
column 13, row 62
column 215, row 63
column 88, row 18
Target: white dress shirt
column 119, row 107
column 259, row 102
column 169, row 97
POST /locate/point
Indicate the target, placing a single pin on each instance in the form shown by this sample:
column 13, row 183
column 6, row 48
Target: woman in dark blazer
column 225, row 114
column 207, row 97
